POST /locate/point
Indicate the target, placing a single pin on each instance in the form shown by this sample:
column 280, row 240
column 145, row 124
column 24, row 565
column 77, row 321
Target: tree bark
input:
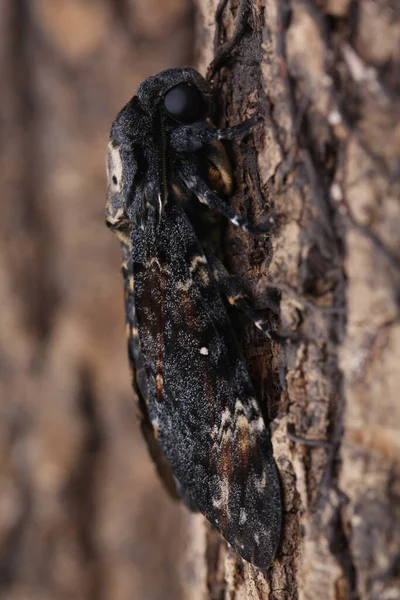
column 325, row 78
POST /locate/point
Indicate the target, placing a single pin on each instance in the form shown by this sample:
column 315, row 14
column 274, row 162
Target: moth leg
column 211, row 199
column 236, row 297
column 188, row 138
column 225, row 51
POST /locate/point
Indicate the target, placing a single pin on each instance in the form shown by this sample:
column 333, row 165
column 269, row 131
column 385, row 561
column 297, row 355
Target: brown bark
column 325, row 77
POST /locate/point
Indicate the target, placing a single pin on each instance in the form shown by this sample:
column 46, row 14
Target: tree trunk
column 325, row 77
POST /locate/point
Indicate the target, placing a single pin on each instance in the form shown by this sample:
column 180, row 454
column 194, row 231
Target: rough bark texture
column 325, row 76
column 82, row 514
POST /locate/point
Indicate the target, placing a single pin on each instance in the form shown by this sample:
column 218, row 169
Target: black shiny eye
column 184, row 103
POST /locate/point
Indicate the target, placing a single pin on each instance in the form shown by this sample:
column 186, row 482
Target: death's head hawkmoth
column 167, row 171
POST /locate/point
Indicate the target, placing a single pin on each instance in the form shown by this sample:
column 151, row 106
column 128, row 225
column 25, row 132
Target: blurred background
column 82, row 514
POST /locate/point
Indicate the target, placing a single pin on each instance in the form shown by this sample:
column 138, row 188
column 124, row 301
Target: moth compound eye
column 184, row 103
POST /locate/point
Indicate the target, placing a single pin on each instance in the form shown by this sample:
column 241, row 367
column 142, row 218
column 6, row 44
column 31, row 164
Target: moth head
column 182, row 94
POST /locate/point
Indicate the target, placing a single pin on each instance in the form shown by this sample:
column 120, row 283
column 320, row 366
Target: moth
column 168, row 175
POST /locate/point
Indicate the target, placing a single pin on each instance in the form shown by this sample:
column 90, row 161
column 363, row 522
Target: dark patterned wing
column 119, row 223
column 201, row 401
